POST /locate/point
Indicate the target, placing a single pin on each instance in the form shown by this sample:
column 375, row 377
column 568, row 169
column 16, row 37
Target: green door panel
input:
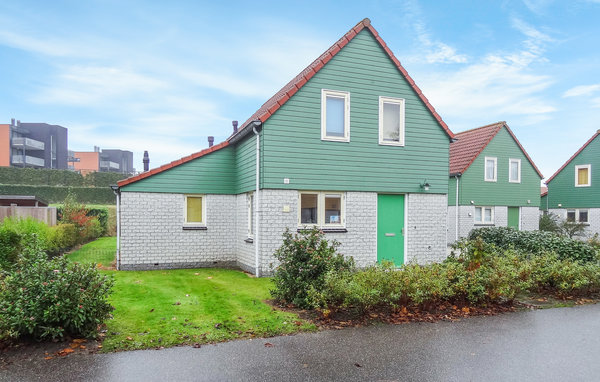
column 390, row 228
column 513, row 217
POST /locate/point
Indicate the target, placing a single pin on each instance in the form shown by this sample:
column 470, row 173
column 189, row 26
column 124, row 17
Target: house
column 350, row 145
column 493, row 182
column 574, row 190
column 37, row 145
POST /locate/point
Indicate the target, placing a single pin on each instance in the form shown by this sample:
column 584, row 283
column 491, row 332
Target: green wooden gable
column 561, row 186
column 473, row 187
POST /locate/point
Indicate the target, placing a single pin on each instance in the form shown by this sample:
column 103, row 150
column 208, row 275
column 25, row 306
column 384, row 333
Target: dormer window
column 335, row 115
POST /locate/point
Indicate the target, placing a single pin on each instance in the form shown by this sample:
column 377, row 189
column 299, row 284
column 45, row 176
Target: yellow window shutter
column 582, row 176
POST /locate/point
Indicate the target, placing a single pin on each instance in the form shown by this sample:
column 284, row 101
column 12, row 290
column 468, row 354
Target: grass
column 100, row 252
column 187, row 306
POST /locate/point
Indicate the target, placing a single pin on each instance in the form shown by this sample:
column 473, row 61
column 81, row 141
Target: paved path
column 545, row 345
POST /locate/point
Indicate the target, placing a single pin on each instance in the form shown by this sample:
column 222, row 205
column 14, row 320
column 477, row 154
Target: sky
column 162, row 76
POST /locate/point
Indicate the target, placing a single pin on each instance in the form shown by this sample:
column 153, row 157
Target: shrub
column 535, row 242
column 549, row 223
column 10, row 246
column 64, row 236
column 48, row 299
column 305, row 259
column 56, row 194
column 88, row 227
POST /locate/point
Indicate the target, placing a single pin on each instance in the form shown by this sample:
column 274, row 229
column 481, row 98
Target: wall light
column 425, row 185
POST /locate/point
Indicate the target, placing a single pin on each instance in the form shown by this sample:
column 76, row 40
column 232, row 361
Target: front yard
column 187, row 306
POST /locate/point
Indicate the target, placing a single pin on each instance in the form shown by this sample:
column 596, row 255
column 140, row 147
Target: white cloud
column 581, row 90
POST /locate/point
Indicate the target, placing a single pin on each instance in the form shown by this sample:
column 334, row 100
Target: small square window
column 195, row 210
column 484, row 215
column 571, row 215
column 514, row 170
column 323, row 209
column 583, row 175
column 491, row 169
column 583, row 216
column 391, row 121
column 335, row 115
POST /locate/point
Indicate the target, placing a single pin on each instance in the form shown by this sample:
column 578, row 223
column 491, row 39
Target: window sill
column 484, row 224
column 391, row 144
column 326, row 230
column 249, row 240
column 334, row 139
column 194, row 228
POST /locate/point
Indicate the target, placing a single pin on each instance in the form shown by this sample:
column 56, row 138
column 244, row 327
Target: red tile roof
column 471, row 143
column 543, row 191
column 283, row 95
column 574, row 155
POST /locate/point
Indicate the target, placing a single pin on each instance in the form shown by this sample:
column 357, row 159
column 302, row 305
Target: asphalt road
column 545, row 345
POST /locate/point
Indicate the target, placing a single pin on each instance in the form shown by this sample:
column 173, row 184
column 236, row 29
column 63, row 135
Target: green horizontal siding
column 214, row 173
column 293, row 147
column 473, row 187
column 245, row 162
column 562, row 190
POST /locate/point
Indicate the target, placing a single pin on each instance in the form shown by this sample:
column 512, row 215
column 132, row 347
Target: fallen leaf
column 218, row 325
column 209, row 277
column 129, row 338
column 196, row 274
column 177, row 303
column 151, row 310
column 82, row 346
column 357, row 365
column 79, row 340
column 196, row 346
column 48, row 358
column 65, row 352
column 268, row 345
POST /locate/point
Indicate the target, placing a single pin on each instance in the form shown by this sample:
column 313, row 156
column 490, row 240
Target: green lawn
column 101, row 251
column 186, row 306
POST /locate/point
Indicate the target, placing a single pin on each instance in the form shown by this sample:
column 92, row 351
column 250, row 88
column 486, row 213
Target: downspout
column 257, row 203
column 118, row 195
column 457, row 207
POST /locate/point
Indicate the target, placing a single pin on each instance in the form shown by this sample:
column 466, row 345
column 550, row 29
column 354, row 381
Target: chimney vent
column 12, row 121
column 235, row 125
column 146, row 161
column 18, row 123
column 211, row 141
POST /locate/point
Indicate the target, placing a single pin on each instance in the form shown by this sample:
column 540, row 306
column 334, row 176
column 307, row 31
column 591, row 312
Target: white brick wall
column 152, row 235
column 244, row 248
column 425, row 229
column 530, row 218
column 593, row 219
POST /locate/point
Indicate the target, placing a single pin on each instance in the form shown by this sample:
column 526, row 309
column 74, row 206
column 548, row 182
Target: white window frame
column 510, row 162
column 482, row 221
column 495, row 169
column 339, row 94
column 397, row 101
column 577, row 214
column 589, row 168
column 250, row 206
column 194, row 224
column 321, row 209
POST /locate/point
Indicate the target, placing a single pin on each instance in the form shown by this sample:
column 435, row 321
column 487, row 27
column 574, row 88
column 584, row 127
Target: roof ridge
column 481, row 127
column 596, row 134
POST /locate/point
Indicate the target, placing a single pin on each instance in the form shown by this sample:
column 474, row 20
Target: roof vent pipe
column 211, row 141
column 18, row 123
column 146, row 161
column 235, row 125
column 12, row 121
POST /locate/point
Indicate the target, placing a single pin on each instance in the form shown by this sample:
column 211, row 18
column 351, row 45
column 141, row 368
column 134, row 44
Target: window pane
column 335, row 116
column 571, row 216
column 489, row 169
column 308, row 208
column 391, row 122
column 582, row 176
column 583, row 216
column 514, row 171
column 488, row 215
column 333, row 209
column 478, row 214
column 194, row 209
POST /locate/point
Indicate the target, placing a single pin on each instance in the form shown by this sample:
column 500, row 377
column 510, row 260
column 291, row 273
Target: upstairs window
column 335, row 115
column 491, row 169
column 514, row 170
column 391, row 121
column 583, row 175
column 195, row 211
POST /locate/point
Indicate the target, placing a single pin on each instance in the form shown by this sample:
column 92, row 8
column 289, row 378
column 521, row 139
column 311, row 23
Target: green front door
column 513, row 217
column 390, row 228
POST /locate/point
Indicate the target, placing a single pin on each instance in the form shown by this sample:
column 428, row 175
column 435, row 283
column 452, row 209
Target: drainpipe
column 257, row 201
column 457, row 207
column 118, row 195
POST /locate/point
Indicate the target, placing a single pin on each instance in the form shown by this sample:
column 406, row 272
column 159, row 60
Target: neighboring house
column 574, row 190
column 493, row 181
column 37, row 145
column 350, row 145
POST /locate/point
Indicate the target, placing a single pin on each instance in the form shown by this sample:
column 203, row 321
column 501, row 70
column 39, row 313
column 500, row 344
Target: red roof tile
column 471, row 143
column 275, row 102
column 543, row 191
column 574, row 155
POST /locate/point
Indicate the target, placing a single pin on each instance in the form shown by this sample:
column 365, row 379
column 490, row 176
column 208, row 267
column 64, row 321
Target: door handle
column 390, row 234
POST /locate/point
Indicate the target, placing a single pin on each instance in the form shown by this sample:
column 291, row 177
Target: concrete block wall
column 152, row 234
column 244, row 248
column 593, row 219
column 501, row 216
column 425, row 230
column 530, row 218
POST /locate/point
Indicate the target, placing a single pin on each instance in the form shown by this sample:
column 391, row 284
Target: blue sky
column 162, row 76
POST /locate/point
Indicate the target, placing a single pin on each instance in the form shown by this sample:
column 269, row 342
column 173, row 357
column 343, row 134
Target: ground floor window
column 323, row 209
column 484, row 215
column 195, row 210
column 579, row 216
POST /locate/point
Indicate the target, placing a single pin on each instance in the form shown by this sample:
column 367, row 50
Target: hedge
column 53, row 177
column 57, row 194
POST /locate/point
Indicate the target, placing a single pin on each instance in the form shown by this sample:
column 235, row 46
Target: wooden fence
column 45, row 214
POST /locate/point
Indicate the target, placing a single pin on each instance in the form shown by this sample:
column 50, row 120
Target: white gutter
column 256, row 205
column 457, row 207
column 118, row 194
